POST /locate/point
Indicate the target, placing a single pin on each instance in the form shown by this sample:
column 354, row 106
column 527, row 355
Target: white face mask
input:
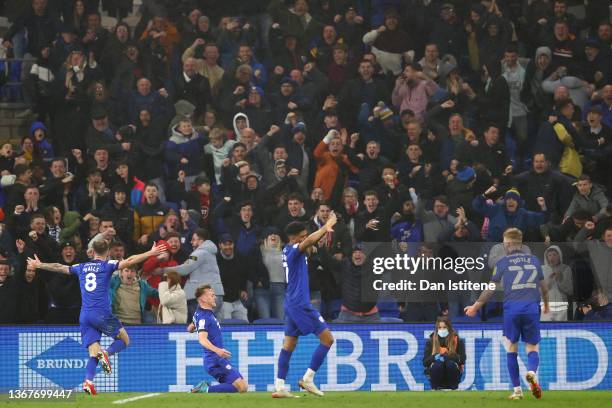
column 442, row 333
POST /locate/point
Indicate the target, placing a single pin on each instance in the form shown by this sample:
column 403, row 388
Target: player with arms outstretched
column 211, row 339
column 301, row 318
column 96, row 315
column 523, row 280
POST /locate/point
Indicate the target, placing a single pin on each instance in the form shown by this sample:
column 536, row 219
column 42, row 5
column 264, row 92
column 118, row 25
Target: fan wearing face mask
column 444, row 356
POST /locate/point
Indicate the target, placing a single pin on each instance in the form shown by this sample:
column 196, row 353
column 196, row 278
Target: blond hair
column 513, row 235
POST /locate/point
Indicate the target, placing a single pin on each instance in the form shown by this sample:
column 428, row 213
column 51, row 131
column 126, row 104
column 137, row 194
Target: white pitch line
column 123, row 401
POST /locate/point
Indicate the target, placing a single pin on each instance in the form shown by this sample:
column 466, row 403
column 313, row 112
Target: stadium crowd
column 211, row 125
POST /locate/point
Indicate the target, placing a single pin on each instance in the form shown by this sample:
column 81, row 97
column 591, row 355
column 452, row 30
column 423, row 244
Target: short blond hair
column 513, row 235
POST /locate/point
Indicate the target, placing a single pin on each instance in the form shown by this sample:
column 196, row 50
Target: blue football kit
column 96, row 315
column 520, row 275
column 301, row 318
column 217, row 367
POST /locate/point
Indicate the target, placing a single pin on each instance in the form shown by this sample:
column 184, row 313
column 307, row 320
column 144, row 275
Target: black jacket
column 234, row 275
column 196, row 91
column 41, row 30
column 8, row 301
column 458, row 357
column 353, row 296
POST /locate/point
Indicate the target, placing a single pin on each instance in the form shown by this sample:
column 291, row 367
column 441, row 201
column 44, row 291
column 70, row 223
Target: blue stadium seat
column 391, row 320
column 388, row 308
column 234, row 321
column 269, row 321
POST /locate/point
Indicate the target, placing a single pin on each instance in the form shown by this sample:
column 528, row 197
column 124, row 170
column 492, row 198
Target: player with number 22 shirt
column 96, row 316
column 523, row 280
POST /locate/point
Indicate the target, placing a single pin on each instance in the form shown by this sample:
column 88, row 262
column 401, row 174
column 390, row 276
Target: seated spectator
column 444, row 356
column 559, row 281
column 173, row 302
column 128, row 297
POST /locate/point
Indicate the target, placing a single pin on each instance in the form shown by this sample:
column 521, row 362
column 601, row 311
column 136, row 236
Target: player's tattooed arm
column 52, row 267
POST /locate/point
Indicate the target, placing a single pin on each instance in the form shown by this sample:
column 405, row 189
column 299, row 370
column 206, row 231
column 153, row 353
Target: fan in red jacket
column 151, row 269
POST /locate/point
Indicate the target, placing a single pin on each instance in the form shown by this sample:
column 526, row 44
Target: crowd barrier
column 384, row 357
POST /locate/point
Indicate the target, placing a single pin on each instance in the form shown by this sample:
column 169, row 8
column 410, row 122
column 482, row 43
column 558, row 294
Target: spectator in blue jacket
column 38, row 132
column 508, row 213
column 128, row 297
column 240, row 226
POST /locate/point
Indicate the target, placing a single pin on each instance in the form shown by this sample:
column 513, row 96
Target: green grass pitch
column 429, row 399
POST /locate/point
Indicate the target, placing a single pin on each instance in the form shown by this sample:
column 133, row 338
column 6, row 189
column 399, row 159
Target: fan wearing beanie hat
column 509, row 213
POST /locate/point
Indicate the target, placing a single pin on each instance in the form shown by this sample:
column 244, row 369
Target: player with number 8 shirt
column 96, row 315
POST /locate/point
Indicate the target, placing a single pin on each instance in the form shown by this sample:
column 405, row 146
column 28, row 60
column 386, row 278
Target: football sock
column 222, row 388
column 513, row 369
column 283, row 364
column 116, row 347
column 318, row 356
column 92, row 363
column 533, row 361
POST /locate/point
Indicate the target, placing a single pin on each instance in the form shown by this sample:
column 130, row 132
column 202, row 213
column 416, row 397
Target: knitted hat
column 385, row 113
column 258, row 90
column 543, row 51
column 299, row 127
column 466, row 174
column 513, row 194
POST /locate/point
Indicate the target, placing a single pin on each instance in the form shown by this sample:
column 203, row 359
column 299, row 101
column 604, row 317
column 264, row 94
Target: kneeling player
column 521, row 275
column 215, row 356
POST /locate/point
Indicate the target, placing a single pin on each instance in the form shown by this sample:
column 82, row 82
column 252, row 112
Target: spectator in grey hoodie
column 558, row 279
column 201, row 267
